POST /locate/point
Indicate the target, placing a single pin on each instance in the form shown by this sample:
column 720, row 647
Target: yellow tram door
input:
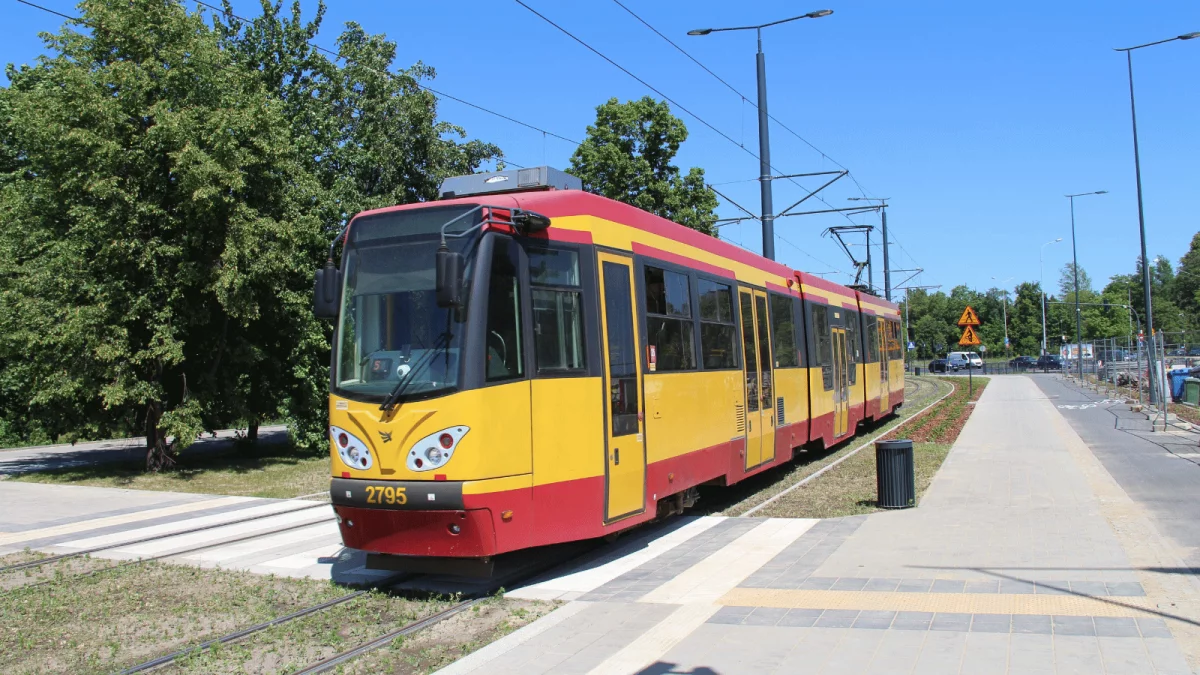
column 756, row 366
column 841, row 383
column 625, row 447
column 885, row 383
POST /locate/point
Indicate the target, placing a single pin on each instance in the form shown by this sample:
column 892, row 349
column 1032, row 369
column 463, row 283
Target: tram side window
column 504, row 355
column 558, row 335
column 783, row 329
column 717, row 331
column 824, row 344
column 894, row 352
column 669, row 326
column 853, row 349
column 873, row 338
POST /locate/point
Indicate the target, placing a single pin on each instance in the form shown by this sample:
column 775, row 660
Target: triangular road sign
column 969, row 337
column 968, row 318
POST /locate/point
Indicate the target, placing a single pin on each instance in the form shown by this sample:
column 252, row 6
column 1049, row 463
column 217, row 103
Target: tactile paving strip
column 965, row 603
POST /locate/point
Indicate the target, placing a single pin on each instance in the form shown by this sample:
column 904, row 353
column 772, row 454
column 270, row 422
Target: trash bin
column 894, row 480
column 1177, row 377
column 1191, row 391
column 916, row 370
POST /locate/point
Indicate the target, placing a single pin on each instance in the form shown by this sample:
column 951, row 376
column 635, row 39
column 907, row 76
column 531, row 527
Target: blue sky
column 975, row 119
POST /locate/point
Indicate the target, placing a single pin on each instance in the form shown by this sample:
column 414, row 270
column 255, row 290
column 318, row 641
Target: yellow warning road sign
column 969, row 337
column 968, row 318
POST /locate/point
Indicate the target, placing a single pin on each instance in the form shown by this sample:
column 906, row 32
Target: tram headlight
column 351, row 449
column 436, row 449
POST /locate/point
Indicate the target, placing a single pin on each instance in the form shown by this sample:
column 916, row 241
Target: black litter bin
column 894, row 480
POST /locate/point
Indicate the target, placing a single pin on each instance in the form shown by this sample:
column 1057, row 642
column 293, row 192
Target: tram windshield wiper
column 438, row 347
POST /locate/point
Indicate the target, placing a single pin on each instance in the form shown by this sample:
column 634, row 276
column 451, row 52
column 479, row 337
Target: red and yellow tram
column 523, row 363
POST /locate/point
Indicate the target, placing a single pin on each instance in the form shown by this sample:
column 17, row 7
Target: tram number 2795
column 386, row 495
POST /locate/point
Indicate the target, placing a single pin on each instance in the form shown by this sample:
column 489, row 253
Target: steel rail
column 250, row 630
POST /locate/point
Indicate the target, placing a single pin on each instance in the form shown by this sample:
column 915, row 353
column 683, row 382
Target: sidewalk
column 47, row 457
column 1016, row 561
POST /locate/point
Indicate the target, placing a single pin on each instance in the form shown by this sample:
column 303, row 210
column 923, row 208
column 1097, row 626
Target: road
column 1160, row 471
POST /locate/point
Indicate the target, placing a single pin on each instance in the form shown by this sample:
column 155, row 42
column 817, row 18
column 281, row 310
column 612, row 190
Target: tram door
column 841, row 383
column 885, row 383
column 625, row 464
column 760, row 390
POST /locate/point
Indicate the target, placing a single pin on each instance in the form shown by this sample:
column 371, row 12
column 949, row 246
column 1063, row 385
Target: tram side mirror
column 449, row 278
column 325, row 292
column 530, row 221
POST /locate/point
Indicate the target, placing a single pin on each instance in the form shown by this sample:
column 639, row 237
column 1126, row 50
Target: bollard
column 895, row 480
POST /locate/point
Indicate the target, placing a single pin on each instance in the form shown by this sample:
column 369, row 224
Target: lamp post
column 1005, row 291
column 887, row 276
column 1075, row 268
column 1042, row 283
column 764, row 145
column 1137, row 170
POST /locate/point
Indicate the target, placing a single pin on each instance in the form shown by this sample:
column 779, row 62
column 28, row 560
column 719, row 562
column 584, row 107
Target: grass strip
column 270, row 470
column 850, row 488
column 745, row 495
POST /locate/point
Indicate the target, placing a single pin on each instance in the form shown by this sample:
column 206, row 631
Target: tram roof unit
column 558, row 195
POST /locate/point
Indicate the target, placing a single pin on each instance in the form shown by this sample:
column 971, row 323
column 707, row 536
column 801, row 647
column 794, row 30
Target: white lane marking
column 180, row 525
column 478, row 660
column 245, row 548
column 309, row 557
column 616, row 564
column 187, row 540
column 715, row 575
column 659, row 640
column 97, row 523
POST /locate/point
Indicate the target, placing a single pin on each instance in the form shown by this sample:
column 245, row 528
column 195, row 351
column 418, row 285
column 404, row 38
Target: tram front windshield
column 392, row 333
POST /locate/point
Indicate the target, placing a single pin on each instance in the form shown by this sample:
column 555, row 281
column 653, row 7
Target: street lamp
column 1075, row 266
column 764, row 145
column 1005, row 291
column 1137, row 170
column 887, row 276
column 1042, row 283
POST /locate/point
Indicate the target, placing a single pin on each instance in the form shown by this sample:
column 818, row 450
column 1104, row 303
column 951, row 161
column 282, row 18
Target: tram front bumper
column 454, row 534
column 416, row 518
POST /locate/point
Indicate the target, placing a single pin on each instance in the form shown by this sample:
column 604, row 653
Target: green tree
column 369, row 135
column 157, row 209
column 627, row 157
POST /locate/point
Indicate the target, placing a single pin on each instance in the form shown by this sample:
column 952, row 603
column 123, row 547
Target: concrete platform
column 1024, row 557
column 296, row 538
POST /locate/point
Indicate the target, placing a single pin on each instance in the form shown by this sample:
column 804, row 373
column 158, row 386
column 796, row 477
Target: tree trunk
column 158, row 456
column 252, row 431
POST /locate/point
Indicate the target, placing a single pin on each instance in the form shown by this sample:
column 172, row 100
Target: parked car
column 1194, row 351
column 938, row 366
column 1023, row 362
column 956, row 361
column 1049, row 362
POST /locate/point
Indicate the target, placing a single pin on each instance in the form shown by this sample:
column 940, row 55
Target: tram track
column 388, row 585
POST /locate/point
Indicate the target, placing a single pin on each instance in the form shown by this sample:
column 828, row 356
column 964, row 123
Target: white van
column 964, row 358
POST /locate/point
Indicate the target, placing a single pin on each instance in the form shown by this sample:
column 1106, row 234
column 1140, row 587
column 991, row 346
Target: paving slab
column 1012, row 563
